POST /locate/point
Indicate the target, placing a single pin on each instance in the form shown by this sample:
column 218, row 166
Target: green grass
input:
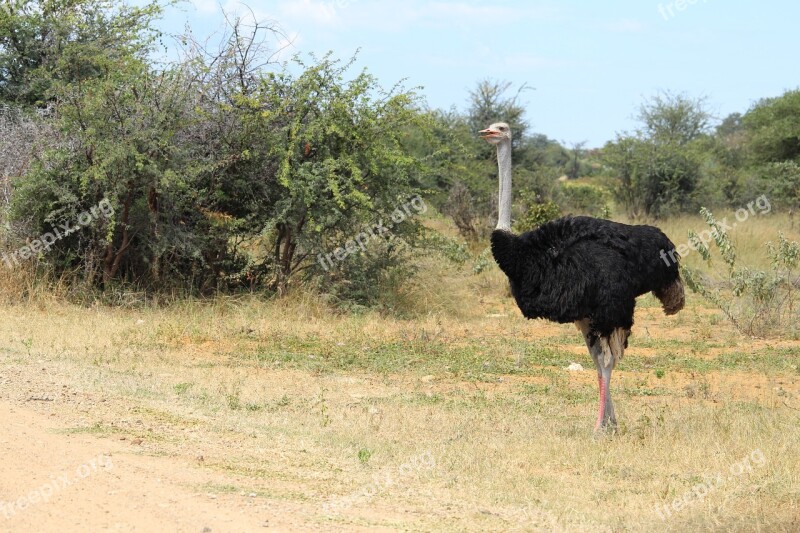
column 496, row 357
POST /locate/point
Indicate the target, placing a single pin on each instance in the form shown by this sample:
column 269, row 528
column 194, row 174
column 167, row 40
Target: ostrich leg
column 605, row 352
column 604, row 360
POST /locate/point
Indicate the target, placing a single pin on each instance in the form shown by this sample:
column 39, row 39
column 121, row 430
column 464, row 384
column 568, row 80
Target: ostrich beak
column 488, row 132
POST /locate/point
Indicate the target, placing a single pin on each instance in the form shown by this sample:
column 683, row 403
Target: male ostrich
column 583, row 270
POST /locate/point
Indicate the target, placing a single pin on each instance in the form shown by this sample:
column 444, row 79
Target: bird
column 583, row 270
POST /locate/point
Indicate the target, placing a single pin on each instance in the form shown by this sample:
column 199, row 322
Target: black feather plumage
column 582, row 267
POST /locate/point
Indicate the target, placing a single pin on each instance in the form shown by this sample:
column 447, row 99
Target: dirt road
column 51, row 481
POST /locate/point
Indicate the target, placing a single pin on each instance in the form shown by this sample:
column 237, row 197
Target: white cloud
column 625, row 26
column 398, row 14
column 205, row 7
column 328, row 21
column 320, row 13
column 490, row 62
column 531, row 61
column 463, row 12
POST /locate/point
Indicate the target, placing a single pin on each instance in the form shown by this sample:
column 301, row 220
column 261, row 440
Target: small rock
column 575, row 367
column 427, row 379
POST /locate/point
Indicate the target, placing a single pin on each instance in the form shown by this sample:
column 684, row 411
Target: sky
column 591, row 64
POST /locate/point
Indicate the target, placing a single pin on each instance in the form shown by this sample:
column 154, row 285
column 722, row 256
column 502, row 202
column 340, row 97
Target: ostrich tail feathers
column 613, row 346
column 672, row 297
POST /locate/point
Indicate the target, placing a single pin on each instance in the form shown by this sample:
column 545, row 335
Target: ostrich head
column 499, row 134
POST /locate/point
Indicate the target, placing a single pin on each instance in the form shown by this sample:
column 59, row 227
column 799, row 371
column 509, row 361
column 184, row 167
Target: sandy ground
column 51, row 481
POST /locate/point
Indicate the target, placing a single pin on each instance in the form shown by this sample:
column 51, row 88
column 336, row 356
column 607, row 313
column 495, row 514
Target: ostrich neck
column 504, row 167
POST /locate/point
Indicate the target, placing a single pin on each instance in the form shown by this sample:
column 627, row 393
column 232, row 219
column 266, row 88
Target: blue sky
column 591, row 63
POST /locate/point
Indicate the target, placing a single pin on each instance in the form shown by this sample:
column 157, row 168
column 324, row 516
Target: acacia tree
column 87, row 59
column 340, row 159
column 46, row 42
column 577, row 152
column 659, row 167
column 676, row 119
column 122, row 129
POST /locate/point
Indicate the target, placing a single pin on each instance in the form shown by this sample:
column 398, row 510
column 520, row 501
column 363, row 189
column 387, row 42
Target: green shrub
column 583, row 198
column 536, row 214
column 757, row 302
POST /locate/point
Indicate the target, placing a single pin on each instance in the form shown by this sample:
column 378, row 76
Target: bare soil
column 51, row 481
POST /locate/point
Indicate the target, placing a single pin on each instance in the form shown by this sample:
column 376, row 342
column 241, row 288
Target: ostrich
column 583, row 270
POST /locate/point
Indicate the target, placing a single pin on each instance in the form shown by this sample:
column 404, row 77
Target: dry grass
column 749, row 236
column 462, row 419
column 298, row 404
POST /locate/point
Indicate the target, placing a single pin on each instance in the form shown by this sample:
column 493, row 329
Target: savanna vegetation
column 225, row 172
column 232, row 238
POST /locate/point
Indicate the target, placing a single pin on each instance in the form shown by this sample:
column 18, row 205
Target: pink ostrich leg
column 602, row 407
column 605, row 352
